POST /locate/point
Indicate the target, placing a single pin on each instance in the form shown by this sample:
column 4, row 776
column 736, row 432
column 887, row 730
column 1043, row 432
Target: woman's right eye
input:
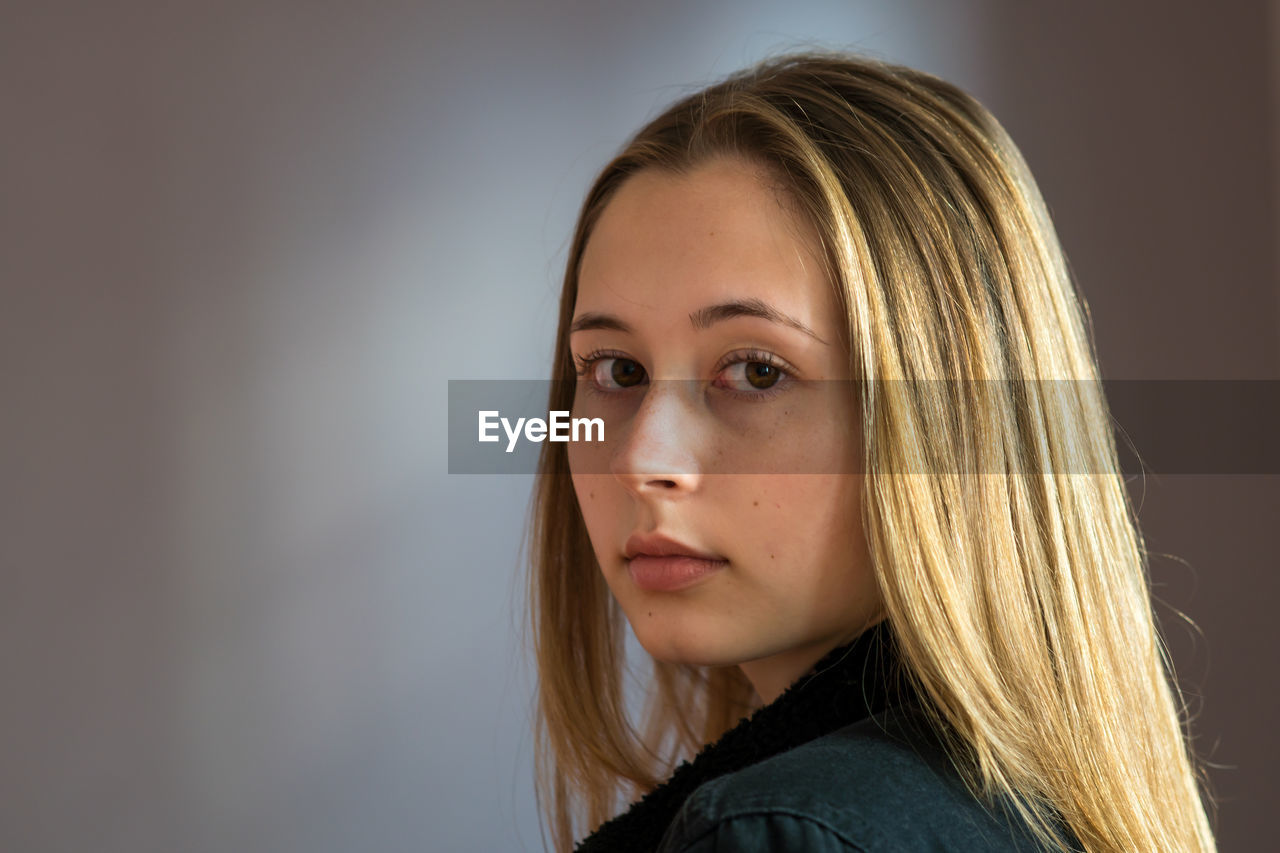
column 610, row 372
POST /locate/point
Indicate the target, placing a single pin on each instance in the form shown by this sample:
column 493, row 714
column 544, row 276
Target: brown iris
column 626, row 373
column 761, row 375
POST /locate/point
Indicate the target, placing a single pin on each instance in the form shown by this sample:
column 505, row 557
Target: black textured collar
column 850, row 683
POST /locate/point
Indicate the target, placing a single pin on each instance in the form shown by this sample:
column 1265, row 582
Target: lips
column 659, row 563
column 658, row 545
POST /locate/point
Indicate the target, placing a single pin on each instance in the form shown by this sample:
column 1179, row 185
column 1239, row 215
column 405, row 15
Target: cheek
column 596, row 503
column 593, row 455
column 788, row 454
column 802, row 521
column 770, row 523
column 584, row 488
column 589, row 470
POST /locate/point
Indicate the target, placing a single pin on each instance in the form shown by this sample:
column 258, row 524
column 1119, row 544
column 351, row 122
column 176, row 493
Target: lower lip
column 668, row 574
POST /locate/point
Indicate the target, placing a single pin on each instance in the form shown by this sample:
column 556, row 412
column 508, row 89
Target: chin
column 677, row 644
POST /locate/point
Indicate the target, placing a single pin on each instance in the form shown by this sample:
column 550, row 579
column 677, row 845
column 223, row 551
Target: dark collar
column 850, row 683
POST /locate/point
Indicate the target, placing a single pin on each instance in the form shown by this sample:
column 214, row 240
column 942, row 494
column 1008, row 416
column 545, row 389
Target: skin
column 707, row 461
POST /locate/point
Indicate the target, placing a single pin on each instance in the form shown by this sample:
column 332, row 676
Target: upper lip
column 658, row 545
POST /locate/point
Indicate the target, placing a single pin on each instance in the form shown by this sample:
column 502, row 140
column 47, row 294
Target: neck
column 772, row 675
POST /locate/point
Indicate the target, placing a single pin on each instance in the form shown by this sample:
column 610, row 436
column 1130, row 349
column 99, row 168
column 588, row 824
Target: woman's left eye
column 750, row 376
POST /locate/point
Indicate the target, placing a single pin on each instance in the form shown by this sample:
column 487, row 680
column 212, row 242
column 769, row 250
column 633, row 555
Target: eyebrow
column 703, row 318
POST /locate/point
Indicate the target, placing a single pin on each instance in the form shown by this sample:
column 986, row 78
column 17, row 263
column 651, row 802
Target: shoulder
column 878, row 785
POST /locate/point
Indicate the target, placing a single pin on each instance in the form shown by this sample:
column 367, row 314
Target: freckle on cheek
column 755, row 503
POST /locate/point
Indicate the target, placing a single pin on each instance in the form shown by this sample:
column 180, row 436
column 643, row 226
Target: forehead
column 725, row 230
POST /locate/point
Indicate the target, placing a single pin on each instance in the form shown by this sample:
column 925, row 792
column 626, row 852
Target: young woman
column 891, row 586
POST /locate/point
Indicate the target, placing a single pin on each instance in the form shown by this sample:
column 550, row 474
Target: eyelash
column 585, row 363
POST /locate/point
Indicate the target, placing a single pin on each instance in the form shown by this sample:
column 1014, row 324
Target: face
column 705, row 333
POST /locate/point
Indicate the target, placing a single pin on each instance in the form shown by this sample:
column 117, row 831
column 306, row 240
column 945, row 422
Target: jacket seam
column 769, row 811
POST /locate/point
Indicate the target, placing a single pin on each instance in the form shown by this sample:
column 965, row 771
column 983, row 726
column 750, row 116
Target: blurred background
column 243, row 247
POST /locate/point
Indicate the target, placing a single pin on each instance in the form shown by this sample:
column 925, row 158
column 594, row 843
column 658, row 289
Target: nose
column 660, row 453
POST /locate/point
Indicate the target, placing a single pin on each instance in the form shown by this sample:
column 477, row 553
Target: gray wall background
column 243, row 246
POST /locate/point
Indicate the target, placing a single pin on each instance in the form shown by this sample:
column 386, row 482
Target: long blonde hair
column 1017, row 594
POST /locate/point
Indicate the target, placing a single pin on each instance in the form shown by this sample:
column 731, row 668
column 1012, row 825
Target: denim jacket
column 881, row 784
column 843, row 760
